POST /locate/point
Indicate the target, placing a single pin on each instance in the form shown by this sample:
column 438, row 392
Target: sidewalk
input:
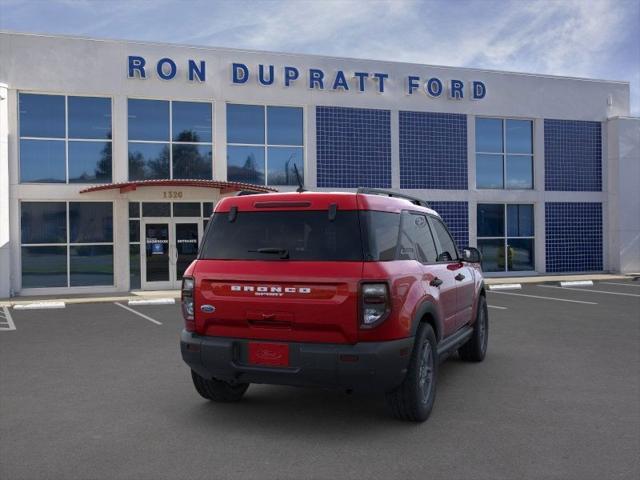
column 175, row 294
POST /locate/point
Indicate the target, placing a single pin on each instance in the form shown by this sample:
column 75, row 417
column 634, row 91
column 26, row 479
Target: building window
column 170, row 139
column 65, row 139
column 504, row 153
column 265, row 144
column 506, row 237
column 66, row 244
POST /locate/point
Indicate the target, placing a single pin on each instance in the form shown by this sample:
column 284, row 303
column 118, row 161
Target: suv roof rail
column 389, row 193
column 242, row 193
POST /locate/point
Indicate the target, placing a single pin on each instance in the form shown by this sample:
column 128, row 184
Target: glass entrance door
column 187, row 239
column 170, row 246
column 156, row 261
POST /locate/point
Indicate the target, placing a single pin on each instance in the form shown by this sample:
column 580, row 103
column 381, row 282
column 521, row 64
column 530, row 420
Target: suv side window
column 447, row 251
column 416, row 242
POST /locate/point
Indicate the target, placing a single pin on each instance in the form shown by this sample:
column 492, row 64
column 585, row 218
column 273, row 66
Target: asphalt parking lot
column 97, row 391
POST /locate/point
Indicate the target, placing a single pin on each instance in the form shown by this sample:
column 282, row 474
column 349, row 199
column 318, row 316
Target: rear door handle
column 436, row 282
column 459, row 277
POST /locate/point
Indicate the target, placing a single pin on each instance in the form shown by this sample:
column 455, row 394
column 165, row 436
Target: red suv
column 360, row 291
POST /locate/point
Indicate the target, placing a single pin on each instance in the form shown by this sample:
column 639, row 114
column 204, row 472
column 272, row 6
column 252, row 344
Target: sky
column 580, row 38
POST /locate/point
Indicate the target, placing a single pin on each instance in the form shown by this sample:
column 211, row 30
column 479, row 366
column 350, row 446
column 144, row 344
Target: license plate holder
column 268, row 354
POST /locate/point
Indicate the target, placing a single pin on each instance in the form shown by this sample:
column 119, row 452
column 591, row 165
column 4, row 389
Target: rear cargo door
column 285, row 274
column 286, row 301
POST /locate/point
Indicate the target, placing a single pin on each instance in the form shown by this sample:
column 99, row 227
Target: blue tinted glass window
column 134, row 230
column 284, row 126
column 245, row 164
column 489, row 135
column 520, row 171
column 520, row 220
column 186, row 209
column 43, row 222
column 91, row 265
column 520, row 254
column 207, row 209
column 490, row 219
column 493, row 256
column 134, row 266
column 192, row 161
column 156, row 209
column 245, row 124
column 148, row 120
column 44, row 267
column 89, row 117
column 89, row 162
column 519, row 136
column 90, row 222
column 281, row 161
column 489, row 171
column 148, row 161
column 42, row 161
column 191, row 122
column 134, row 210
column 41, row 115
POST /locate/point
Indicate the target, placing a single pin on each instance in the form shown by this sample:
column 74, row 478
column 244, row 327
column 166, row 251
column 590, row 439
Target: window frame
column 456, row 259
column 67, row 244
column 170, row 142
column 506, row 236
column 504, row 154
column 266, row 145
column 66, row 139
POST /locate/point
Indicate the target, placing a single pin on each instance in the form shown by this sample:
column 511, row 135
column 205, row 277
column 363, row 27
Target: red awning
column 224, row 187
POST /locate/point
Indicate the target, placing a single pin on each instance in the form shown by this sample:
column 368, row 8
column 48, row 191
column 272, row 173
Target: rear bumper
column 380, row 366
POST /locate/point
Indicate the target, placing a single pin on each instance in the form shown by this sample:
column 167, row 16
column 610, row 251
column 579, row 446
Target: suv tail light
column 374, row 304
column 188, row 306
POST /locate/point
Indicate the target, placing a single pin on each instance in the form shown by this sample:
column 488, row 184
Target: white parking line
column 506, row 286
column 496, row 306
column 138, row 313
column 39, row 305
column 591, row 290
column 545, row 298
column 8, row 324
column 153, row 301
column 622, row 284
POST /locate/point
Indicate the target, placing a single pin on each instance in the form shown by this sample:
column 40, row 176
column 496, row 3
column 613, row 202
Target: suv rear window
column 295, row 235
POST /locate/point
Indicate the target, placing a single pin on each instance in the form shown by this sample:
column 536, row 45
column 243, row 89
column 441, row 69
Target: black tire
column 413, row 399
column 476, row 347
column 217, row 390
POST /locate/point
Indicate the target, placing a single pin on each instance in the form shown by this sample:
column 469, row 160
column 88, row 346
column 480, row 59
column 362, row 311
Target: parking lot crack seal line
column 591, row 290
column 545, row 298
column 138, row 313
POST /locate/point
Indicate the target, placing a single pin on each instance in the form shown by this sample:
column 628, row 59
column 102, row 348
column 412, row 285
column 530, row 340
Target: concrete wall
column 623, row 152
column 5, row 246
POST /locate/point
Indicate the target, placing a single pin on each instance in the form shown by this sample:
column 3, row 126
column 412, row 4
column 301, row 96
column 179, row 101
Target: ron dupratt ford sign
column 314, row 78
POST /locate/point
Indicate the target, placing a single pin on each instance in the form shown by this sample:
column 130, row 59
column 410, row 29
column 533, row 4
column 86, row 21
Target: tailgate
column 275, row 300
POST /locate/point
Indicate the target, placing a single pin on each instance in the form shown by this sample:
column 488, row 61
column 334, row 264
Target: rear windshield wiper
column 283, row 252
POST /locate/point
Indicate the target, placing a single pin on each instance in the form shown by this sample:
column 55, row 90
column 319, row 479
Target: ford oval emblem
column 208, row 308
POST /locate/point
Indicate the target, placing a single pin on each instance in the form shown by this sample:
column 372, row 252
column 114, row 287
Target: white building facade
column 113, row 153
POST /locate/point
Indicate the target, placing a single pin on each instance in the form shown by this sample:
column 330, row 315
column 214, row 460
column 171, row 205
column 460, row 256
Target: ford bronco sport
column 359, row 291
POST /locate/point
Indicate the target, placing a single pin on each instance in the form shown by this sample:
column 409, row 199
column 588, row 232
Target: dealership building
column 113, row 154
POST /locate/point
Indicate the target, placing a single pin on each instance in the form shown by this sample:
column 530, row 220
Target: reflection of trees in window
column 188, row 161
column 288, row 175
column 248, row 173
column 150, row 168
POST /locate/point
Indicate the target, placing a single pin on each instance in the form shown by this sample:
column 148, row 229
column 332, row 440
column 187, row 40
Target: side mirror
column 471, row 255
